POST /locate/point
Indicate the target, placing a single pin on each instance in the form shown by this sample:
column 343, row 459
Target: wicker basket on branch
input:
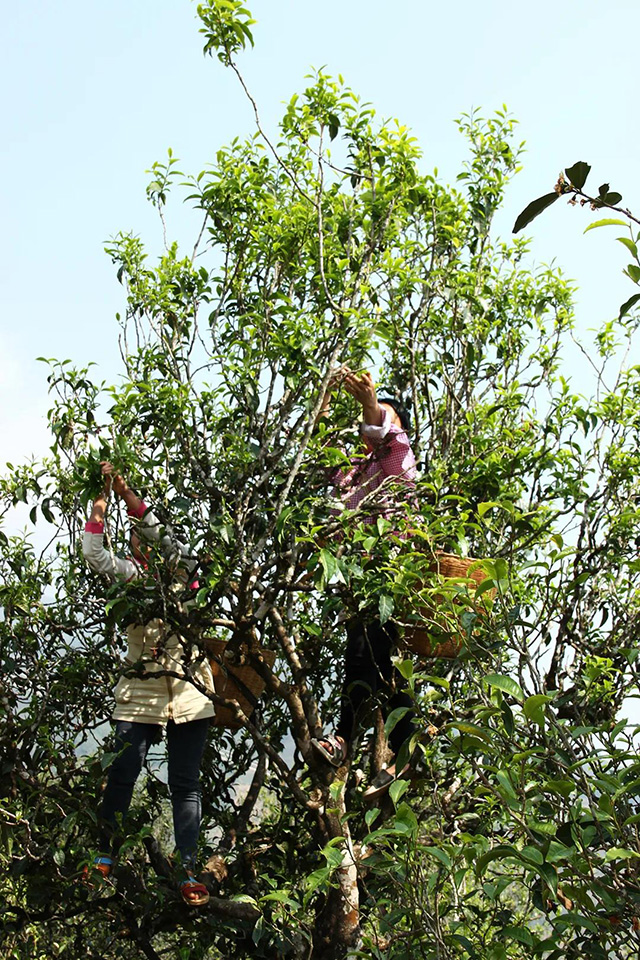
column 439, row 631
column 236, row 680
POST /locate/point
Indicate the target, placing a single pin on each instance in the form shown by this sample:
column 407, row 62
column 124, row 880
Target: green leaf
column 550, row 875
column 545, row 827
column 372, row 815
column 385, row 607
column 336, row 789
column 405, row 669
column 439, row 682
column 280, row 896
column 506, row 684
column 630, row 245
column 532, row 855
column 558, row 851
column 608, row 222
column 317, row 879
column 514, row 613
column 382, row 525
column 488, row 505
column 329, row 564
column 613, row 199
column 507, row 718
column 463, row 941
column 501, row 568
column 467, row 619
column 519, row 933
column 257, row 931
column 406, row 820
column 535, row 208
column 395, row 717
column 620, row 853
column 333, row 856
column 439, row 854
column 626, row 306
column 46, row 510
column 499, row 852
column 578, row 173
column 533, row 708
column 398, row 789
column 634, row 272
column 471, row 729
column 505, row 783
column 107, row 759
column 487, row 584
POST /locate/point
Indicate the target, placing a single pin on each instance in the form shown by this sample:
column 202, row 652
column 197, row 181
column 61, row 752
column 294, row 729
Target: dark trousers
column 369, row 671
column 185, row 745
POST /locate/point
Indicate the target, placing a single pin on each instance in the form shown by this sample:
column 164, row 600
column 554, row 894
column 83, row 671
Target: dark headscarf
column 400, row 409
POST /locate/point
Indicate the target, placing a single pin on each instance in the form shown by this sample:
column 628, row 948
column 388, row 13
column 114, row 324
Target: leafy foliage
column 576, row 177
column 518, row 836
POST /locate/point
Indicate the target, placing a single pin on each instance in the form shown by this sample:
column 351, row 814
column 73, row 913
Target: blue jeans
column 185, row 745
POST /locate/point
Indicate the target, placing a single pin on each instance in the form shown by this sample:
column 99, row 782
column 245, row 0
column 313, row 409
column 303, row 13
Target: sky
column 95, row 92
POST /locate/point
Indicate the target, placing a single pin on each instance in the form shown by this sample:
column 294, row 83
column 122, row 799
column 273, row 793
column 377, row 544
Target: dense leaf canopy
column 518, row 837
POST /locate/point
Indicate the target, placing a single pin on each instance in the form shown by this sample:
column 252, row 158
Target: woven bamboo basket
column 442, row 634
column 233, row 681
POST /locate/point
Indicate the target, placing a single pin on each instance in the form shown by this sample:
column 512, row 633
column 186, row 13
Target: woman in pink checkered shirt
column 372, row 482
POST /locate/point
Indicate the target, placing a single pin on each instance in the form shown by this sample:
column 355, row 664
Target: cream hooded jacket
column 144, row 697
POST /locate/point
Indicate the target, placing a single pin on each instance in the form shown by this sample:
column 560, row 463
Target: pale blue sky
column 96, row 91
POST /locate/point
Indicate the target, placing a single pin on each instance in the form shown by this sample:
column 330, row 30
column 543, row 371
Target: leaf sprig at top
column 571, row 185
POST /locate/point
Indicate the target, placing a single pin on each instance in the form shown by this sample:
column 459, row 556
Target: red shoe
column 194, row 893
column 102, row 865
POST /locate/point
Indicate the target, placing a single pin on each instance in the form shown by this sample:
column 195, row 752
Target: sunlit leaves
column 533, row 708
column 607, row 222
column 506, row 684
column 226, row 26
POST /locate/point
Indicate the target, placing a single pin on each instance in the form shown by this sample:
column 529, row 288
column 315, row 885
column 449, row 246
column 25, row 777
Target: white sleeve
column 100, row 560
column 151, row 529
column 376, row 434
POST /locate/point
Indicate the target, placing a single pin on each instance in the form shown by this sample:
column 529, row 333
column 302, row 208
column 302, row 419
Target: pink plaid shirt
column 390, row 456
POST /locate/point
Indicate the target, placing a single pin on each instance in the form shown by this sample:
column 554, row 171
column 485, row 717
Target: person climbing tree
column 374, row 484
column 145, row 702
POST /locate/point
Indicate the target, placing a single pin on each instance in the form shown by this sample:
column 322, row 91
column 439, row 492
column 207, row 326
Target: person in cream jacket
column 145, row 703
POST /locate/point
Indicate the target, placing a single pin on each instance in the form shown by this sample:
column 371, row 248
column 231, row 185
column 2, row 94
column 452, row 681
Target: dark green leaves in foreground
column 626, row 306
column 533, row 210
column 571, row 183
column 578, row 173
column 576, row 179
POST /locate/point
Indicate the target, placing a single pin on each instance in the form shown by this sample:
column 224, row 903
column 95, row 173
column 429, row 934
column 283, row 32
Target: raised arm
column 362, row 388
column 149, row 526
column 382, row 428
column 135, row 506
column 97, row 556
